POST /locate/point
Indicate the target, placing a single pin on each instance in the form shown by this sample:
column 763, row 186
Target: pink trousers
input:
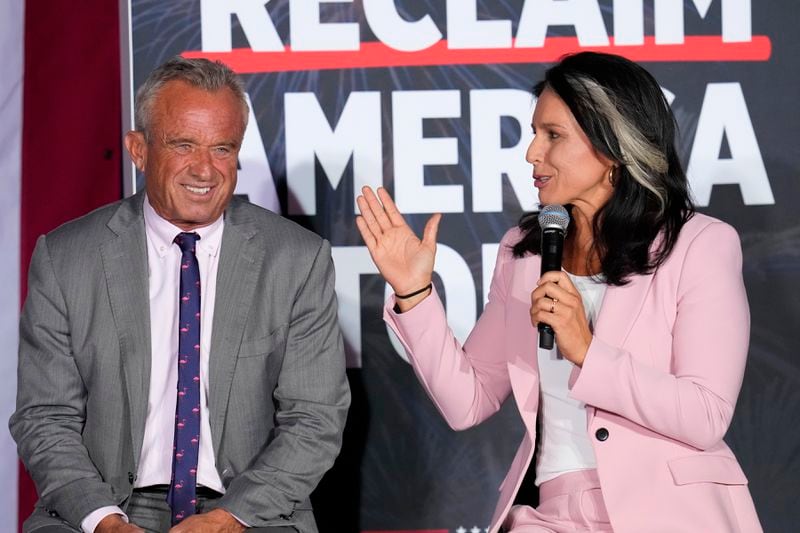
column 569, row 503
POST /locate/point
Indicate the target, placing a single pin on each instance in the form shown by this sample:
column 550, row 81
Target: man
column 180, row 361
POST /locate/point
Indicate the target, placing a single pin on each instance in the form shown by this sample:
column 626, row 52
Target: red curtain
column 71, row 141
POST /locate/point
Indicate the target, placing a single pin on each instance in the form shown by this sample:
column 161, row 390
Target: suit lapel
column 236, row 282
column 125, row 266
column 621, row 306
column 523, row 364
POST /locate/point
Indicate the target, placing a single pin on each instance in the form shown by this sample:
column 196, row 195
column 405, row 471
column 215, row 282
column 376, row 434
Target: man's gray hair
column 208, row 75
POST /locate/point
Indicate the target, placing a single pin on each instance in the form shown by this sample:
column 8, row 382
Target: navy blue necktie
column 182, row 497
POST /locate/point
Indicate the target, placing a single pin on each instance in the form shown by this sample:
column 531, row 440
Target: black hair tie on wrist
column 409, row 295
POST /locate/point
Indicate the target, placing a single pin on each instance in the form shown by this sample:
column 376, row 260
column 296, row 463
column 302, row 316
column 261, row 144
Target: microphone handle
column 552, row 251
column 547, row 336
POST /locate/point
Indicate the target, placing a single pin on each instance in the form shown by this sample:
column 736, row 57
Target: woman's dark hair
column 623, row 112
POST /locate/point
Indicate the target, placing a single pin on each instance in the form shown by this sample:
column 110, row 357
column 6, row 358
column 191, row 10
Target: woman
column 649, row 312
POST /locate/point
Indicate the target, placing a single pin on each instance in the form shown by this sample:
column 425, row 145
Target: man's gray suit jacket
column 278, row 395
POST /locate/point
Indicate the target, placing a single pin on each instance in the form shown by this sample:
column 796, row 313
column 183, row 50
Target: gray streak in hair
column 639, row 155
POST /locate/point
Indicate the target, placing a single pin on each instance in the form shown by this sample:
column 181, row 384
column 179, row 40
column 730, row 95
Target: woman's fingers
column 560, row 278
column 549, row 299
column 552, row 290
column 377, row 208
column 393, row 214
column 431, row 229
column 539, row 315
column 544, row 308
column 369, row 217
column 366, row 233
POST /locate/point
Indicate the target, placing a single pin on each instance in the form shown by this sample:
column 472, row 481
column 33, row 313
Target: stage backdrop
column 431, row 99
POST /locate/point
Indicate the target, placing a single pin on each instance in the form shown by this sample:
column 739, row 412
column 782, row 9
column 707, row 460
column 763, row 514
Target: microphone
column 553, row 219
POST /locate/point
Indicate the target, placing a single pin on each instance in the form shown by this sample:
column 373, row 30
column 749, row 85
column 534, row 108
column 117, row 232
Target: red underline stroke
column 695, row 48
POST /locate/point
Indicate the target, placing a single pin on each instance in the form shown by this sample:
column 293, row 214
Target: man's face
column 190, row 158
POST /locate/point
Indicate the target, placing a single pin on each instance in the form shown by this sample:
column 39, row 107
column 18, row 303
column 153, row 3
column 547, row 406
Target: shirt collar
column 162, row 233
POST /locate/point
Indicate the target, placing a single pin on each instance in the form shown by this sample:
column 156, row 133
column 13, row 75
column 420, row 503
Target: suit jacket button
column 601, row 434
column 131, row 478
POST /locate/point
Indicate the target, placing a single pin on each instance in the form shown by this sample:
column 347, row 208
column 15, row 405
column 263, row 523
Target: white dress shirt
column 564, row 443
column 163, row 262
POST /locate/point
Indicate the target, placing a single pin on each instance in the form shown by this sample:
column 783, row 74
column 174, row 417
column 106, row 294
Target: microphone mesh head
column 553, row 217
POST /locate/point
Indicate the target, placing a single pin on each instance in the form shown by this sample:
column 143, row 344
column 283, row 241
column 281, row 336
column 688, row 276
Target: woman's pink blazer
column 660, row 381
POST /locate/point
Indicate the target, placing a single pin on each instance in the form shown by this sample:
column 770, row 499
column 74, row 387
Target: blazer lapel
column 236, row 281
column 621, row 306
column 125, row 265
column 523, row 340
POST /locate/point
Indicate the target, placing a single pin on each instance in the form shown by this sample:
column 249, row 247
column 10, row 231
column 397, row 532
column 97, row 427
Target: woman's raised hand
column 404, row 261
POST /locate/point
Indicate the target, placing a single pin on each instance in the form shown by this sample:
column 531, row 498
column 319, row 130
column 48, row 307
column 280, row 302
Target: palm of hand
column 403, row 259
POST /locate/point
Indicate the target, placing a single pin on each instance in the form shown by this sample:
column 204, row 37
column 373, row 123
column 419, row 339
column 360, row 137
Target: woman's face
column 566, row 167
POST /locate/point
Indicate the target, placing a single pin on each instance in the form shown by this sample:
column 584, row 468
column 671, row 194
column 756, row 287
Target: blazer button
column 601, row 434
column 131, row 478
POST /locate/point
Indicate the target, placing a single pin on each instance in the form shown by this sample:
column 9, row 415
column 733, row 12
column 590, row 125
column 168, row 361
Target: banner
column 432, row 100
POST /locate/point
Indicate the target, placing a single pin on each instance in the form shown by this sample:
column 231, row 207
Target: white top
column 163, row 262
column 564, row 444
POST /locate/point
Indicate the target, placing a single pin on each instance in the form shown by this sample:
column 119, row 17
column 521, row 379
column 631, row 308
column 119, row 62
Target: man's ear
column 137, row 148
